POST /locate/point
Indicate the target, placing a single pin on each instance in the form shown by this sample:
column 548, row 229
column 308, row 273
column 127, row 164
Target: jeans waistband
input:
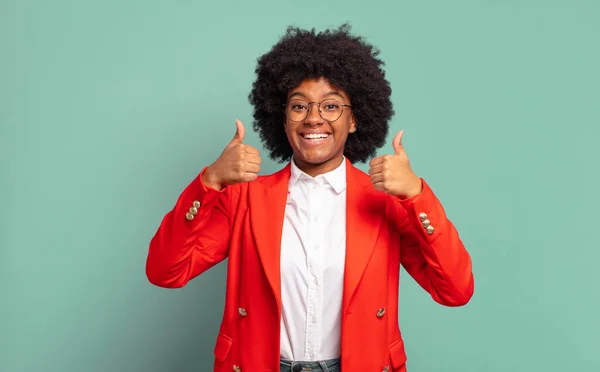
column 330, row 365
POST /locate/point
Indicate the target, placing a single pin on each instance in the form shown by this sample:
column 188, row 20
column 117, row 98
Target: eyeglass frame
column 309, row 104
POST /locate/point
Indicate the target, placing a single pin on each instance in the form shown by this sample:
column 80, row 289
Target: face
column 318, row 144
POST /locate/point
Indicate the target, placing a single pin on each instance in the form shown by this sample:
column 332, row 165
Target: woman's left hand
column 393, row 173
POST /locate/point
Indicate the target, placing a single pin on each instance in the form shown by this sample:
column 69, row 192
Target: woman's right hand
column 238, row 163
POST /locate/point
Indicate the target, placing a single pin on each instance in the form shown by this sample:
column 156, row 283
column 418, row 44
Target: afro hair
column 345, row 60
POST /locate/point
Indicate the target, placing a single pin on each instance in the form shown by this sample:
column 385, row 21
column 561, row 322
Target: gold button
column 386, row 369
column 426, row 223
column 430, row 230
column 242, row 311
column 196, row 204
column 422, row 216
column 381, row 312
column 194, row 211
column 189, row 216
column 236, row 368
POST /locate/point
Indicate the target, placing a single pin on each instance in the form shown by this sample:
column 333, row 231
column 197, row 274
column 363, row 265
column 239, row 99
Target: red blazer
column 244, row 222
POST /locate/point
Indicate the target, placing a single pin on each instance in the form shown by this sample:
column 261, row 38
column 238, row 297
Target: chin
column 316, row 159
column 313, row 158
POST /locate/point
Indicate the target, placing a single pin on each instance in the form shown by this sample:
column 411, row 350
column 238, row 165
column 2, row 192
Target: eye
column 331, row 106
column 298, row 107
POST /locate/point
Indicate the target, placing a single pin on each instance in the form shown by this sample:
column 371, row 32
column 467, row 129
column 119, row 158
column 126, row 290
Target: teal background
column 109, row 108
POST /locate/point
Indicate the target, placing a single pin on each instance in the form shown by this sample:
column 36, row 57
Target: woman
column 314, row 249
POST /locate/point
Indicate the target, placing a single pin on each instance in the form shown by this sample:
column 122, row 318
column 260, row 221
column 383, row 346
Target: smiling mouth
column 315, row 136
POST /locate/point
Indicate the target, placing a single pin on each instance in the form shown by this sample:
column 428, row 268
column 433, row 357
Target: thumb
column 240, row 132
column 397, row 142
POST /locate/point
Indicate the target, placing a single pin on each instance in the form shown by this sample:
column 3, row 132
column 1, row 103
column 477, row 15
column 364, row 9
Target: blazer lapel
column 363, row 222
column 267, row 199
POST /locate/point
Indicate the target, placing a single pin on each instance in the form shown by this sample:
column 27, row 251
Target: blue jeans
column 331, row 365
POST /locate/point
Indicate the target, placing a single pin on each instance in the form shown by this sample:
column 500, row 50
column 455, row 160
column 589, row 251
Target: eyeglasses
column 329, row 109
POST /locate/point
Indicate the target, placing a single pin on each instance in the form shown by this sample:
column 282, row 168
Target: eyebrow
column 302, row 95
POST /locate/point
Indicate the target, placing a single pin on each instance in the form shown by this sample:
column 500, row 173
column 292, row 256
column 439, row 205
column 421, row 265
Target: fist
column 393, row 174
column 237, row 163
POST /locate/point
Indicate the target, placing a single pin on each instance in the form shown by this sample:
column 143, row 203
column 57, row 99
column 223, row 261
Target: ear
column 353, row 125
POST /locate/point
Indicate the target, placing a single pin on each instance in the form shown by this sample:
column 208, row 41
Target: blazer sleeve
column 185, row 246
column 432, row 251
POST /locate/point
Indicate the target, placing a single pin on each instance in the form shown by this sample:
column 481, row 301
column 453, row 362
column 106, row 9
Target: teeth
column 316, row 135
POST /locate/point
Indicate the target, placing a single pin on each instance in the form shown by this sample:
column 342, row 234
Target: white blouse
column 313, row 253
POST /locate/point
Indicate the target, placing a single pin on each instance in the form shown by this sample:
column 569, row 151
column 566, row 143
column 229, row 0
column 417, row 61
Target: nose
column 314, row 116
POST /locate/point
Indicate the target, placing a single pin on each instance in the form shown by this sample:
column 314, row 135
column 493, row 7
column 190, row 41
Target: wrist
column 211, row 180
column 415, row 190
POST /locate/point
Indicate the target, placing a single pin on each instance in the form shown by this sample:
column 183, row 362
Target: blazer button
column 422, row 216
column 426, row 223
column 196, row 204
column 189, row 216
column 237, row 368
column 386, row 369
column 242, row 311
column 381, row 312
column 193, row 211
column 430, row 230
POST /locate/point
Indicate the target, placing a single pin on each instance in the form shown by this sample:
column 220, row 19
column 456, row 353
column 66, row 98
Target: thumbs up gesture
column 237, row 163
column 393, row 174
